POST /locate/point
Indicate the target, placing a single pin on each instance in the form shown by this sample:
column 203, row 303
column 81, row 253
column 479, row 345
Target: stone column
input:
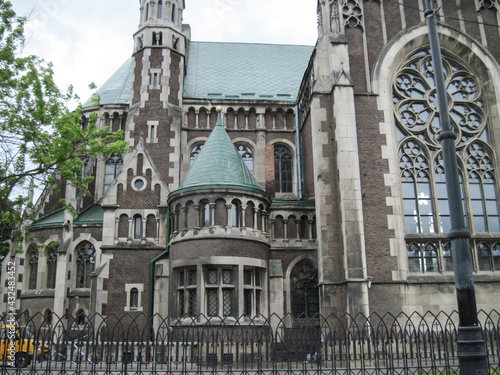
column 130, row 229
column 297, row 224
column 229, row 216
column 256, row 218
column 212, row 214
column 143, row 234
column 198, row 217
column 185, row 224
column 243, row 219
column 117, row 226
column 157, row 238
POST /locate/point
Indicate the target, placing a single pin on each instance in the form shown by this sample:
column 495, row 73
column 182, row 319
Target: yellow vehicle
column 17, row 347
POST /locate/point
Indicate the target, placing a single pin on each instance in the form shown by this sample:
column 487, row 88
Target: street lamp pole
column 471, row 348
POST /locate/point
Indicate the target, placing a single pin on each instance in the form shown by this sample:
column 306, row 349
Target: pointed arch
column 32, row 267
column 404, row 72
column 304, row 289
column 85, row 264
column 51, row 256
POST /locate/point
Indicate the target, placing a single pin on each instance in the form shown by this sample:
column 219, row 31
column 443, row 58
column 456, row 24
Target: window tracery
column 283, row 169
column 51, row 265
column 85, row 265
column 247, row 155
column 424, row 193
column 353, row 13
column 305, row 292
column 194, row 152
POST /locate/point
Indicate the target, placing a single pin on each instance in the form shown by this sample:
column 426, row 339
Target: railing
column 132, row 343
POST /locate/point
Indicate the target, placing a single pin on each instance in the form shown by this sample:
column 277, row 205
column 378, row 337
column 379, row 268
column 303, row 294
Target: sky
column 88, row 40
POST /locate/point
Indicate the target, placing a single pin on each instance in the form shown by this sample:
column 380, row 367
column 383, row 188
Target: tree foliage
column 41, row 140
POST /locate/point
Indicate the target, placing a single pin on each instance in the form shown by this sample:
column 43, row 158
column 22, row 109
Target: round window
column 138, row 183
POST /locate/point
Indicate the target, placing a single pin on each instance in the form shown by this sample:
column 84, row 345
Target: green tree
column 41, row 140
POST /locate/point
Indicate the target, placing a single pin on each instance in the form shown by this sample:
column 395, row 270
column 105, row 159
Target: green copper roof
column 245, row 71
column 219, row 165
column 94, row 214
column 117, row 89
column 54, row 218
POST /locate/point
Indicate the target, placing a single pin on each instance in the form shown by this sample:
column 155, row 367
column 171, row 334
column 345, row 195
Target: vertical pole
column 471, row 348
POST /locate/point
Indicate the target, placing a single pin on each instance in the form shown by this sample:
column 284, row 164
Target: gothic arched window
column 114, row 165
column 134, row 298
column 305, row 292
column 205, row 214
column 194, row 152
column 425, row 199
column 85, row 265
column 51, row 265
column 33, row 267
column 283, row 162
column 236, row 213
column 81, row 317
column 247, row 155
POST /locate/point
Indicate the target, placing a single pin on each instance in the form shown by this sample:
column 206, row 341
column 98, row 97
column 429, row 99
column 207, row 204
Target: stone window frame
column 421, row 163
column 85, row 264
column 237, row 267
column 33, row 257
column 112, row 168
column 384, row 70
column 51, row 255
column 129, row 287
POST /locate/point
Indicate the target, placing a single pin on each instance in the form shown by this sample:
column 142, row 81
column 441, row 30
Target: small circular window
column 138, row 183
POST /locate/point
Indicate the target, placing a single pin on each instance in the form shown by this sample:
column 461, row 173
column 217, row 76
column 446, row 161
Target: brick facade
column 350, row 221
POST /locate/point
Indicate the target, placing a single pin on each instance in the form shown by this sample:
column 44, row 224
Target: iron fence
column 136, row 344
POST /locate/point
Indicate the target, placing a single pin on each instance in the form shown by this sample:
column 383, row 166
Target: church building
column 280, row 179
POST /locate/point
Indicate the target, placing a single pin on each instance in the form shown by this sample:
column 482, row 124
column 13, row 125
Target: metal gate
column 136, row 344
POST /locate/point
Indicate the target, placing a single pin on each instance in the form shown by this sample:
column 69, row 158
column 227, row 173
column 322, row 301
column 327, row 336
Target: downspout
column 298, row 153
column 152, row 268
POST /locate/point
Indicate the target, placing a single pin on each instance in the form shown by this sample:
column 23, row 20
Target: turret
column 161, row 25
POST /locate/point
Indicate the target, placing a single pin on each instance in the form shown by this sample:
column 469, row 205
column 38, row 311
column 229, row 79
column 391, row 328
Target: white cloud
column 87, row 40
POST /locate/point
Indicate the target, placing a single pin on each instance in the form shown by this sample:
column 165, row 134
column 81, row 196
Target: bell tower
column 160, row 22
column 160, row 48
column 137, row 200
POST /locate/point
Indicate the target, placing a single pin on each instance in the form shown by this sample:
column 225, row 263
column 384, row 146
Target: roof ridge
column 253, row 43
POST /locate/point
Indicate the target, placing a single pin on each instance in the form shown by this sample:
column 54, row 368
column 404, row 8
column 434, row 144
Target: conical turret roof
column 219, row 165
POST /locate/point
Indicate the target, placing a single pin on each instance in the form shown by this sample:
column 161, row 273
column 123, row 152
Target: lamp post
column 471, row 348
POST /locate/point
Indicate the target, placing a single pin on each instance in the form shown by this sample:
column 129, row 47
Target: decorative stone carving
column 353, row 13
column 329, row 21
column 334, row 18
column 490, row 4
column 305, row 101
